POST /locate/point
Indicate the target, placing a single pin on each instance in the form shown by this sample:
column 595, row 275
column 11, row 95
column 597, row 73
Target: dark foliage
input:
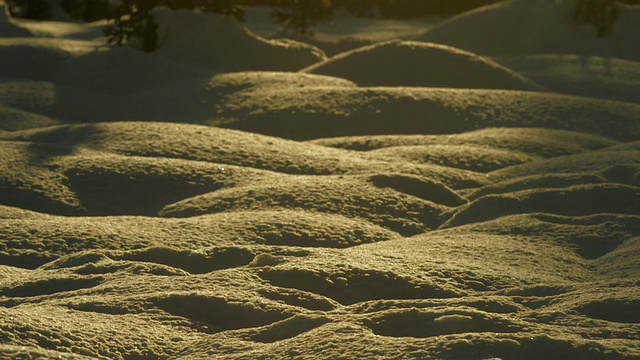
column 601, row 13
column 30, row 9
column 302, row 14
column 132, row 18
column 86, row 10
column 225, row 7
column 411, row 8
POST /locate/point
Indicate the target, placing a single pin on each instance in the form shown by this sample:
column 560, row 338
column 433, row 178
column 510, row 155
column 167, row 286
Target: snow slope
column 217, row 42
column 398, row 63
column 590, row 76
column 519, row 27
column 197, row 203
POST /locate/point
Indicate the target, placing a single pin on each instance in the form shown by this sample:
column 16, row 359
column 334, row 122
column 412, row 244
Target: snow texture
column 470, row 193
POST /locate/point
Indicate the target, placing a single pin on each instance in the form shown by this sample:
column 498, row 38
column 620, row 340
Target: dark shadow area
column 418, row 187
column 26, row 259
column 356, row 286
column 59, row 141
column 38, row 187
column 110, row 191
column 289, row 328
column 621, row 311
column 50, row 286
column 212, row 314
column 193, row 262
column 421, row 324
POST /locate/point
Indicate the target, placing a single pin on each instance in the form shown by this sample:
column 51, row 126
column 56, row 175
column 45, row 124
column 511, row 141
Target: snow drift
column 444, row 223
column 582, row 75
column 221, row 43
column 518, row 27
column 410, row 63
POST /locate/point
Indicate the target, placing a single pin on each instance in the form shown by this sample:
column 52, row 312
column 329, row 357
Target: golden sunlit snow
column 467, row 192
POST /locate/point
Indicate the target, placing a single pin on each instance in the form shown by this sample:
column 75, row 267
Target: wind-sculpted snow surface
column 319, row 112
column 232, row 244
column 413, row 63
column 196, row 213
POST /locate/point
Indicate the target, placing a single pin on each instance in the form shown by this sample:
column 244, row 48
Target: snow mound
column 311, row 113
column 628, row 174
column 55, row 102
column 15, row 119
column 275, row 248
column 10, row 212
column 582, row 75
column 476, row 158
column 537, row 26
column 193, row 46
column 537, row 181
column 198, row 100
column 273, row 80
column 411, row 63
column 62, row 26
column 578, row 200
column 126, row 233
column 621, row 162
column 287, row 232
column 221, row 43
column 218, row 146
column 622, row 261
column 532, row 141
column 354, row 196
column 116, row 169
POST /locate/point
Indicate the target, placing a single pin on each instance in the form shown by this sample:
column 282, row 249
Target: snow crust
column 210, row 200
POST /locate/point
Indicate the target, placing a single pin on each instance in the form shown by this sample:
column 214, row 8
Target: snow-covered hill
column 236, row 197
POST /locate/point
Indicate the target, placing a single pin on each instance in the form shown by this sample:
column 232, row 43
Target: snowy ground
column 471, row 191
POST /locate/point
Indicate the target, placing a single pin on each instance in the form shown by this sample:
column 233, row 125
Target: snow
column 8, row 26
column 343, row 26
column 519, row 27
column 398, row 63
column 348, row 111
column 221, row 43
column 471, row 192
column 590, row 76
